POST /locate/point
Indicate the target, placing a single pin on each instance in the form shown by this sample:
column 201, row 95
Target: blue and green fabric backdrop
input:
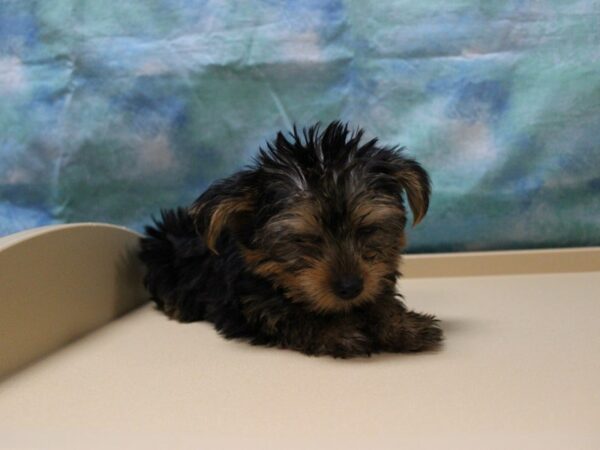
column 111, row 110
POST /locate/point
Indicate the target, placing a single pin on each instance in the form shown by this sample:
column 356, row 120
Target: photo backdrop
column 110, row 111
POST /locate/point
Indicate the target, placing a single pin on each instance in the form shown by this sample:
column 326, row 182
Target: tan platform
column 520, row 369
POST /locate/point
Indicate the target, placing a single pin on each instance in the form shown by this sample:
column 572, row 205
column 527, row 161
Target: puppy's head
column 321, row 215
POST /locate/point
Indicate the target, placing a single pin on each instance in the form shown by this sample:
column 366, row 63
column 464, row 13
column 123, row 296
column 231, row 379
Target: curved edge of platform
column 61, row 282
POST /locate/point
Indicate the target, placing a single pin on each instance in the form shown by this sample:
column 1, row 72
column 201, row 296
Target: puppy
column 300, row 251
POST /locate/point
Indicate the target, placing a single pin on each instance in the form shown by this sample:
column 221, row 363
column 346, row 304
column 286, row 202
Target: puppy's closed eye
column 306, row 239
column 367, row 231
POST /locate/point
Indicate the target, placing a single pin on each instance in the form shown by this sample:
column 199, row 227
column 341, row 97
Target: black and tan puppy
column 299, row 251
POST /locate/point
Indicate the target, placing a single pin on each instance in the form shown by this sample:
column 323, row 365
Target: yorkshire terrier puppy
column 300, row 251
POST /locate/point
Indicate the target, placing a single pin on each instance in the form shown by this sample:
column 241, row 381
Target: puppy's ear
column 415, row 182
column 227, row 204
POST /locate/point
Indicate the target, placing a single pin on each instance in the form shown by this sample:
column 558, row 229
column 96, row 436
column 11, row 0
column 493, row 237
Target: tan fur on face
column 312, row 286
column 368, row 213
column 316, row 282
column 267, row 268
column 300, row 219
column 253, row 257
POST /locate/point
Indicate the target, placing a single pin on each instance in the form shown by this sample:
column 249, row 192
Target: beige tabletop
column 520, row 369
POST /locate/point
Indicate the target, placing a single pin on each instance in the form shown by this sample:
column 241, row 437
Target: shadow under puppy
column 299, row 251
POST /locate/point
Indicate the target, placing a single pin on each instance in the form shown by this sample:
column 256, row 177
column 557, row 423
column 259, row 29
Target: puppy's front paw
column 410, row 332
column 343, row 342
column 425, row 331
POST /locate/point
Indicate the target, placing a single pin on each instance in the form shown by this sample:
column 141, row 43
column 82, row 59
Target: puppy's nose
column 348, row 287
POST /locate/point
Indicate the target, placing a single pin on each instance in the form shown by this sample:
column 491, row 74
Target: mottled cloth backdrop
column 110, row 110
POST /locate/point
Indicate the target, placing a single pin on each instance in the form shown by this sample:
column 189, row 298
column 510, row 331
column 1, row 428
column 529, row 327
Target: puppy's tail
column 168, row 251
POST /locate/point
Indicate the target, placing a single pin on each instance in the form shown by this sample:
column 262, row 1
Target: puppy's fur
column 300, row 250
